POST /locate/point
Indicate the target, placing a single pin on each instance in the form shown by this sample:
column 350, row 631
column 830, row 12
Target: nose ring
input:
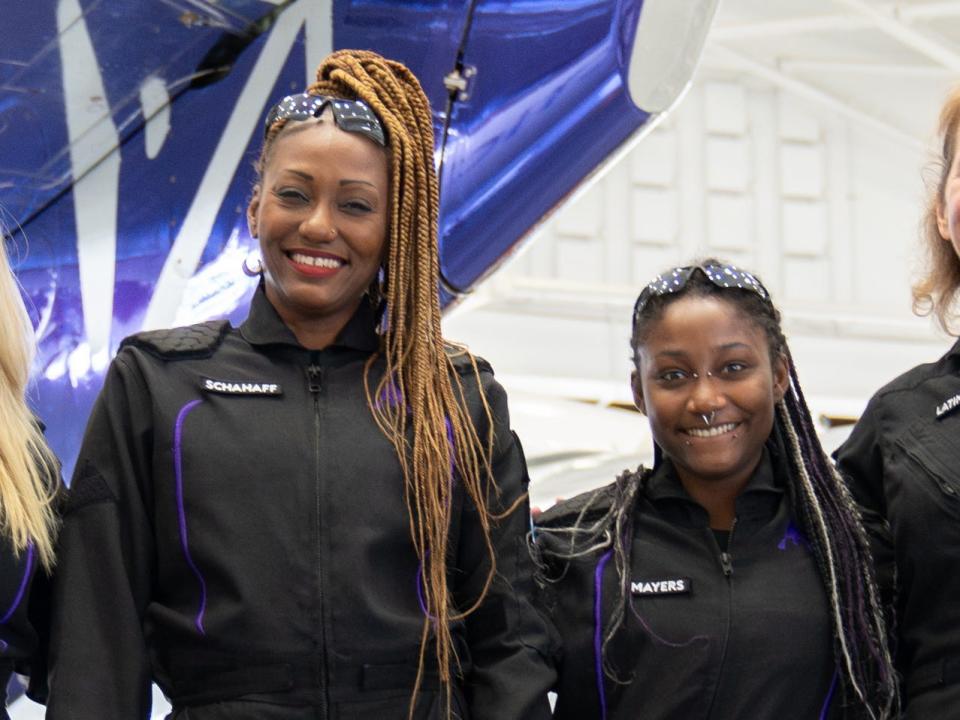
column 708, row 417
column 332, row 233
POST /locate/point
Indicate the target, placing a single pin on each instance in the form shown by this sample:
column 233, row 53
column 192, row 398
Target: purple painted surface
column 547, row 104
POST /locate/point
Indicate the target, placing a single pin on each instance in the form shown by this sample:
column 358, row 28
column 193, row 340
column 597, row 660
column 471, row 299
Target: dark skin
column 709, row 387
column 320, row 213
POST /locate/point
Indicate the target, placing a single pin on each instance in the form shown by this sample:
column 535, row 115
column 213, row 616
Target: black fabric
column 88, row 486
column 722, row 537
column 24, row 596
column 193, row 341
column 744, row 636
column 902, row 463
column 258, row 554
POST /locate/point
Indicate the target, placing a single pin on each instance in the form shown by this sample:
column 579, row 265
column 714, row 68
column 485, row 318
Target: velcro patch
column 245, row 387
column 664, row 586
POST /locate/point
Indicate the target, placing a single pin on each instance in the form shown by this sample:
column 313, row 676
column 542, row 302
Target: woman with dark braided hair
column 902, row 462
column 322, row 513
column 732, row 580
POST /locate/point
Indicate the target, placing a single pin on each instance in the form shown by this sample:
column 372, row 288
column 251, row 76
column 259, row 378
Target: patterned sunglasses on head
column 350, row 115
column 724, row 276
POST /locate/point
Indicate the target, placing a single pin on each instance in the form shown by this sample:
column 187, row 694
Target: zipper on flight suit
column 315, row 385
column 726, row 566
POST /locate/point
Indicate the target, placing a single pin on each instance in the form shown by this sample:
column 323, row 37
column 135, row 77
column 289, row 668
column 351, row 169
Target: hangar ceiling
column 884, row 64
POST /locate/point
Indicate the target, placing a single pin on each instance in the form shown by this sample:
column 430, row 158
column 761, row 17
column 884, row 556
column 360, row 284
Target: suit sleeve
column 510, row 645
column 860, row 461
column 101, row 586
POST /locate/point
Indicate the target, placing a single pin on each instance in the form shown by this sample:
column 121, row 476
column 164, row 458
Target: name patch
column 227, row 387
column 948, row 406
column 666, row 586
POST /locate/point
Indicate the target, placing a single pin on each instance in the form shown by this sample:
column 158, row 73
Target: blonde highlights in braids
column 419, row 401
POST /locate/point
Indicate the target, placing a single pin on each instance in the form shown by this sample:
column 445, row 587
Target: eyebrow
column 346, row 181
column 726, row 346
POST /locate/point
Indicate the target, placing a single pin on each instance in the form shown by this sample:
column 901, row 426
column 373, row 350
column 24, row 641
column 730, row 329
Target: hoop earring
column 252, row 267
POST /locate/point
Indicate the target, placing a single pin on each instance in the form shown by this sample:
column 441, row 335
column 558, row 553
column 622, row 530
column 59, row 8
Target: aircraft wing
column 128, row 132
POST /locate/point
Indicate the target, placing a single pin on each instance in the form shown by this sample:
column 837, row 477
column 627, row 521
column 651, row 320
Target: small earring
column 252, row 266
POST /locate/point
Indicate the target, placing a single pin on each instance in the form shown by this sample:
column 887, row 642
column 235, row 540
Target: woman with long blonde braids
column 321, row 513
column 28, row 480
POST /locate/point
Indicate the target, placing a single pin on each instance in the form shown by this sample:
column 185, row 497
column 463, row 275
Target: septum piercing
column 708, row 417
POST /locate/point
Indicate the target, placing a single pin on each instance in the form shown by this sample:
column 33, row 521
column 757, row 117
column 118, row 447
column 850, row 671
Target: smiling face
column 703, row 356
column 320, row 213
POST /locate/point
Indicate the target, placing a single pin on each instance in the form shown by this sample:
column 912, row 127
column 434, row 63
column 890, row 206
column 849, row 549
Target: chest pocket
column 935, row 446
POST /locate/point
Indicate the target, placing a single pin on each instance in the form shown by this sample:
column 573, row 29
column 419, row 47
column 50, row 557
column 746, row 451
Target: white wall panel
column 824, row 210
column 805, row 231
column 730, row 222
column 655, row 215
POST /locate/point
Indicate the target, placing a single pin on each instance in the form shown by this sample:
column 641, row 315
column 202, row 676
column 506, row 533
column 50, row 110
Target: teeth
column 323, row 262
column 711, row 432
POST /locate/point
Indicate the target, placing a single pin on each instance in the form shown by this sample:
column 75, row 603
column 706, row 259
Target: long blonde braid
column 420, row 390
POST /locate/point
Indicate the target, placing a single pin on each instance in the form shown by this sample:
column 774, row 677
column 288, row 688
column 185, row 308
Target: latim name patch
column 948, row 406
column 665, row 586
column 246, row 387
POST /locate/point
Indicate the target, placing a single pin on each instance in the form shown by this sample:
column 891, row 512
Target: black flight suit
column 237, row 532
column 709, row 634
column 23, row 592
column 902, row 462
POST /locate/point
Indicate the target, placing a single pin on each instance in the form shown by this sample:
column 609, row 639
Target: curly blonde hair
column 936, row 292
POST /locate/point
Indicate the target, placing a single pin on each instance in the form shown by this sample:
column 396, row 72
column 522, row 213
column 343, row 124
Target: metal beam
column 835, row 22
column 926, row 11
column 788, row 26
column 891, row 25
column 853, row 68
column 740, row 62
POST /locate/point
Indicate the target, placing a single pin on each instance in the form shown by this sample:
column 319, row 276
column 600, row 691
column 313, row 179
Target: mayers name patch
column 666, row 586
column 228, row 387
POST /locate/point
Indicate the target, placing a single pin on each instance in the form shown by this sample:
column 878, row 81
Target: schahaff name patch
column 229, row 387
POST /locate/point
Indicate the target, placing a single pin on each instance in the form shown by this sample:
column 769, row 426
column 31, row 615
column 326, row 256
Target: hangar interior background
column 802, row 150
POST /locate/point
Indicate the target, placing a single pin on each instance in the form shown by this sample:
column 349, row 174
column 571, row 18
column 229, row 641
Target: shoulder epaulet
column 192, row 341
column 597, row 502
column 463, row 360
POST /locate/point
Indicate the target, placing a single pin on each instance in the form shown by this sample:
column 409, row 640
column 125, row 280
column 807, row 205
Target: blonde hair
column 936, row 292
column 29, row 472
column 420, row 390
